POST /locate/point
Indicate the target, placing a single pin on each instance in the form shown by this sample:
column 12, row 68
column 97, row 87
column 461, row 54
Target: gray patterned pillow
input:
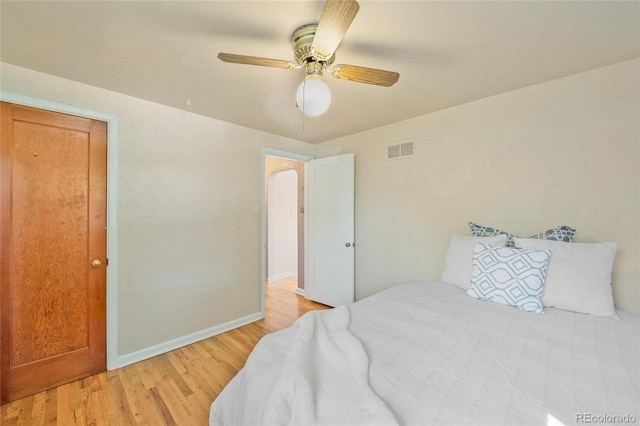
column 559, row 233
column 509, row 276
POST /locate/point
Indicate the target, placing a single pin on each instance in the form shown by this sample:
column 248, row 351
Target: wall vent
column 401, row 150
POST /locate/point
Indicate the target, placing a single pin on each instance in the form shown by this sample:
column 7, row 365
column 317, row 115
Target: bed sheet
column 433, row 355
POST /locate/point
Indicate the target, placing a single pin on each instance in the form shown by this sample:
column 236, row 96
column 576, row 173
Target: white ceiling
column 447, row 53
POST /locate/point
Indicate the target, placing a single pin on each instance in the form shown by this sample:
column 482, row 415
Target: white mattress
column 433, row 355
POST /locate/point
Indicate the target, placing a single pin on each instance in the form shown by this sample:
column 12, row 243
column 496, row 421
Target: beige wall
column 562, row 152
column 188, row 243
column 565, row 152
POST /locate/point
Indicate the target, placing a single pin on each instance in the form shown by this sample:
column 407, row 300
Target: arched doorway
column 284, row 208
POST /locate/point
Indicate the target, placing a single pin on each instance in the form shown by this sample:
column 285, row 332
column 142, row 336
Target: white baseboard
column 282, row 276
column 300, row 291
column 170, row 345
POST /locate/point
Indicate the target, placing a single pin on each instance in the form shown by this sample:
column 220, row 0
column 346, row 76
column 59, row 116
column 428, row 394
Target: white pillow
column 458, row 262
column 578, row 276
column 509, row 276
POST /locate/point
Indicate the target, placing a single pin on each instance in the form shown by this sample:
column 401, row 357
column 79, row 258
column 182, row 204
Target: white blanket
column 320, row 377
column 436, row 356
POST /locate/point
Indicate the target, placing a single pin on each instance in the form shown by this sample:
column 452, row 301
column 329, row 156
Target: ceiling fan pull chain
column 303, row 101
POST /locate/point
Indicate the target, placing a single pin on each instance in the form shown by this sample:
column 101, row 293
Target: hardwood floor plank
column 51, row 408
column 37, row 408
column 75, row 395
column 95, row 409
column 165, row 413
column 24, row 414
column 199, row 372
column 148, row 412
column 80, row 417
column 63, row 403
column 116, row 399
column 145, row 374
column 176, row 403
column 136, row 394
column 176, row 374
column 9, row 412
column 176, row 388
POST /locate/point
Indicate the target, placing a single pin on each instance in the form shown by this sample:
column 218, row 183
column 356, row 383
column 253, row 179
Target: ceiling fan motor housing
column 302, row 39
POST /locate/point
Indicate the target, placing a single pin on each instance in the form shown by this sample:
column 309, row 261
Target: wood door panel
column 51, row 372
column 50, row 169
column 52, row 225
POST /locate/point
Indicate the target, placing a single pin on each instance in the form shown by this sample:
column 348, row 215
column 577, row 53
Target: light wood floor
column 176, row 388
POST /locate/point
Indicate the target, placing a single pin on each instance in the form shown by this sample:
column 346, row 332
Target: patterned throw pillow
column 509, row 276
column 559, row 233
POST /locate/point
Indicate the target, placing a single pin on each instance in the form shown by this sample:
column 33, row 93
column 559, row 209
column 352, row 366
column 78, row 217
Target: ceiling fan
column 314, row 47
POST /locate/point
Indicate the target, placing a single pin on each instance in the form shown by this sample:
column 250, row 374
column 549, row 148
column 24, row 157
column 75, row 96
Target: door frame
column 268, row 152
column 112, row 205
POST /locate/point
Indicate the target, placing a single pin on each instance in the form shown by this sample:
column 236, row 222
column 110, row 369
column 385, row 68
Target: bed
column 426, row 353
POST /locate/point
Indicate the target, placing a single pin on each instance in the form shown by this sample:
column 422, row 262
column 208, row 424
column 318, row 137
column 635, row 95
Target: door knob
column 96, row 263
column 348, row 245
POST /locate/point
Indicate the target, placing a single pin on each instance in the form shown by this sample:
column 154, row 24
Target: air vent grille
column 401, row 150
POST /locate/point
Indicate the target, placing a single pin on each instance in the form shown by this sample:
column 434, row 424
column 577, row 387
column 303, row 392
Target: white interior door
column 330, row 230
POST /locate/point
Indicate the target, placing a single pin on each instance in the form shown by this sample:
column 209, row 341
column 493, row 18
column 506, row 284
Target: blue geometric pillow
column 559, row 233
column 509, row 276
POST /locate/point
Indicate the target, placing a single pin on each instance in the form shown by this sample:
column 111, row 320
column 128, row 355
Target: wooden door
column 331, row 230
column 52, row 251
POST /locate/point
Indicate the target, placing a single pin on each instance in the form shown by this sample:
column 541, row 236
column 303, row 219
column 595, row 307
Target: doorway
column 282, row 225
column 326, row 261
column 284, row 216
column 112, row 204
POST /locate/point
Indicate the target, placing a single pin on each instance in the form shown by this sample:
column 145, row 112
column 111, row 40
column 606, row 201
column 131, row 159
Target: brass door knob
column 96, row 263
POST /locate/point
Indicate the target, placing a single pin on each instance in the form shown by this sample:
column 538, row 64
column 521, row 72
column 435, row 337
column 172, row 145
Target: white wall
column 565, row 152
column 283, row 224
column 188, row 243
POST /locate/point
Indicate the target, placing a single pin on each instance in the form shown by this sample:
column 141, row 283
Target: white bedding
column 426, row 353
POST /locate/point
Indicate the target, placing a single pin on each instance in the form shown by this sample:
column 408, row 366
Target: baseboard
column 282, row 276
column 300, row 291
column 170, row 345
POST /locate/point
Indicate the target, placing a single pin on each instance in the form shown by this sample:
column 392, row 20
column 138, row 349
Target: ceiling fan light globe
column 313, row 96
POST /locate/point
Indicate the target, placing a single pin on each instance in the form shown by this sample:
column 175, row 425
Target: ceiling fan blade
column 365, row 75
column 336, row 17
column 254, row 60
